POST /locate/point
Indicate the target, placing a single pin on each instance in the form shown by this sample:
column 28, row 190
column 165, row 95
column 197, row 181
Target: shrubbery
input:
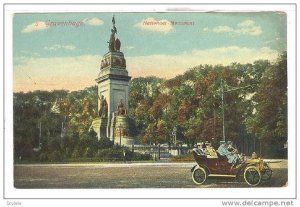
column 110, row 154
column 55, row 156
column 183, row 158
column 89, row 152
column 43, row 157
column 87, row 149
column 76, row 153
column 138, row 156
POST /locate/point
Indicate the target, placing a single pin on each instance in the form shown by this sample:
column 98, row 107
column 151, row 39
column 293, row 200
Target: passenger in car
column 198, row 150
column 210, row 151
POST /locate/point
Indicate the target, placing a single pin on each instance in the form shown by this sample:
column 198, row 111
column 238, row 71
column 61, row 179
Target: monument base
column 125, row 141
column 99, row 125
column 121, row 131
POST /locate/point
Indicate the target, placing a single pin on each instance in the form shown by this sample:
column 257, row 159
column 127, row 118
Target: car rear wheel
column 199, row 175
column 252, row 176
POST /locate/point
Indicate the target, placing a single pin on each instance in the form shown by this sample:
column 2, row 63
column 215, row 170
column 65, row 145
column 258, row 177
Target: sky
column 53, row 51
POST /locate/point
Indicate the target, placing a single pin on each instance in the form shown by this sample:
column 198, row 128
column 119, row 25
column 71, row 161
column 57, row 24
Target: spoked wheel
column 252, row 176
column 266, row 173
column 199, row 175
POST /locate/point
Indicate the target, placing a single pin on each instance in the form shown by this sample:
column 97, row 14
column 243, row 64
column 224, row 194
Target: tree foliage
column 255, row 104
column 255, row 108
column 269, row 122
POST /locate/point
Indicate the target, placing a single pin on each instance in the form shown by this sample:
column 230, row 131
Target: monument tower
column 113, row 88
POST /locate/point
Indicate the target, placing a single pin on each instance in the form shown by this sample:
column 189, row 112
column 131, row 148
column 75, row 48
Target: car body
column 254, row 170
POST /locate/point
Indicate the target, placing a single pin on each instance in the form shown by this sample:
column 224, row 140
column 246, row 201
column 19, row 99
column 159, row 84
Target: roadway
column 128, row 175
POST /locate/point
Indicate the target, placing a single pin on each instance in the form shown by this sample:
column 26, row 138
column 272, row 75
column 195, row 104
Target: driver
column 224, row 151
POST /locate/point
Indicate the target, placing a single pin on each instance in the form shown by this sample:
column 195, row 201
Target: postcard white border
column 283, row 192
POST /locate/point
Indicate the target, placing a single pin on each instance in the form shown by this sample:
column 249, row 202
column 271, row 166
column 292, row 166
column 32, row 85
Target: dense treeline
column 55, row 126
column 255, row 106
column 255, row 112
column 47, row 124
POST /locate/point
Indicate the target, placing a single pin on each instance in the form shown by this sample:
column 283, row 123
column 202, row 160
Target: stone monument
column 113, row 88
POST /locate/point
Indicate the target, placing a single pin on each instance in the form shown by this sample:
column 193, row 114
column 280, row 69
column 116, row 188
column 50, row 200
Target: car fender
column 250, row 164
column 203, row 166
column 242, row 169
column 193, row 168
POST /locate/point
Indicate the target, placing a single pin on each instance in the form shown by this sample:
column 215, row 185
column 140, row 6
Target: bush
column 55, row 156
column 43, row 157
column 90, row 152
column 110, row 154
column 76, row 153
column 138, row 156
column 105, row 143
column 68, row 152
column 53, row 144
column 183, row 158
column 114, row 154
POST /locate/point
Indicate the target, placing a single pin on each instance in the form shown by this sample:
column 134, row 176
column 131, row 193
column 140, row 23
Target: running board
column 221, row 175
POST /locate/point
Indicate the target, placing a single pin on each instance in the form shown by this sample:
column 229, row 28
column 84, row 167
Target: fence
column 160, row 151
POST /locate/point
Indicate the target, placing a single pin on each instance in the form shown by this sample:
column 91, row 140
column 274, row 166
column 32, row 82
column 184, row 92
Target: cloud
column 247, row 23
column 35, row 26
column 29, row 53
column 129, row 47
column 247, row 27
column 222, row 29
column 275, row 40
column 75, row 73
column 58, row 47
column 151, row 24
column 93, row 21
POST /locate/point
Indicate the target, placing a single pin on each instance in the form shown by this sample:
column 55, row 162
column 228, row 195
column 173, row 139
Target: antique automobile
column 254, row 170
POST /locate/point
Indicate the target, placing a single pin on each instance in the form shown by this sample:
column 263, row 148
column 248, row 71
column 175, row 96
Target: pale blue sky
column 46, row 54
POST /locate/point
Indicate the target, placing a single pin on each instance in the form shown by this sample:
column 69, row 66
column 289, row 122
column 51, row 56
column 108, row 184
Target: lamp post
column 174, row 132
column 222, row 97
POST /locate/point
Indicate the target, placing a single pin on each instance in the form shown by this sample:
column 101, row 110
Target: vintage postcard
column 157, row 100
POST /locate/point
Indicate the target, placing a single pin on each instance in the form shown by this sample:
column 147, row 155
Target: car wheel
column 199, row 175
column 252, row 176
column 266, row 173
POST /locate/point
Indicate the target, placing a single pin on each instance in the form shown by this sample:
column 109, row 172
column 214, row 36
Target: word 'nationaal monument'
column 113, row 88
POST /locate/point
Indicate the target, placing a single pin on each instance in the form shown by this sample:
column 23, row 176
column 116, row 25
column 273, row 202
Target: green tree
column 270, row 121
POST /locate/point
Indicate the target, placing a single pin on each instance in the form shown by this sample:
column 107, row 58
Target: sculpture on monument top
column 117, row 45
column 103, row 107
column 114, row 44
column 121, row 110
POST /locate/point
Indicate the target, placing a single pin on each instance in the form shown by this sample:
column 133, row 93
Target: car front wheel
column 252, row 176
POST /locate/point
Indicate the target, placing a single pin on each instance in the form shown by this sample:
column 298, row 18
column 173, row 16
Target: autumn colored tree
column 255, row 110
